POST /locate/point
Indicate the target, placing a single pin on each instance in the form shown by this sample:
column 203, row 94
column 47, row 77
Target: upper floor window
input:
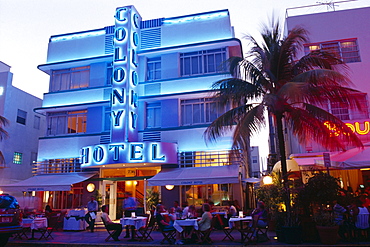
column 153, row 115
column 342, row 110
column 21, row 117
column 36, row 122
column 153, row 69
column 202, row 62
column 346, row 50
column 67, row 79
column 200, row 111
column 109, row 74
column 67, row 122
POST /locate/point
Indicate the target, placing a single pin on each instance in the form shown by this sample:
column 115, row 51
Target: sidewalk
column 96, row 238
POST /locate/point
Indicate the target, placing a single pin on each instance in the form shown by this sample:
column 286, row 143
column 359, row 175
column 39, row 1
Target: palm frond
column 309, row 122
column 225, row 122
column 3, row 122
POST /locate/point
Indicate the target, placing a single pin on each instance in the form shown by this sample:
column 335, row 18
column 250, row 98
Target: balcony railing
column 57, row 166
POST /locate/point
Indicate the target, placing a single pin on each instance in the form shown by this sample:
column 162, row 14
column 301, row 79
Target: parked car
column 10, row 217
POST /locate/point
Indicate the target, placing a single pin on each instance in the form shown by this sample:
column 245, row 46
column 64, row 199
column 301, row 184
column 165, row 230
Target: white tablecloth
column 72, row 224
column 35, row 223
column 77, row 212
column 233, row 220
column 138, row 222
column 178, row 224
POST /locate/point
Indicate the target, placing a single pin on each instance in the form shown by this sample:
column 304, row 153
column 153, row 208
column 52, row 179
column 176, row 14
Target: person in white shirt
column 111, row 225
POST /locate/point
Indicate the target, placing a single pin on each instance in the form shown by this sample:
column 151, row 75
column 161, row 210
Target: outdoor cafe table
column 232, row 221
column 179, row 224
column 35, row 224
column 137, row 222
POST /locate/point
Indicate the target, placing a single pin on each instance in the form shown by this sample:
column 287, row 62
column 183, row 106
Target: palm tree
column 289, row 90
column 3, row 134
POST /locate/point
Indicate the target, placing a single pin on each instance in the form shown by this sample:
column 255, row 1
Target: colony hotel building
column 127, row 108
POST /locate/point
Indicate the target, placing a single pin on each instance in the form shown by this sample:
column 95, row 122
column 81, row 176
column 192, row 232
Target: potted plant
column 318, row 194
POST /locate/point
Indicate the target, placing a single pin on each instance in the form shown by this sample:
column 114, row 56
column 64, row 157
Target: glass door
column 110, row 197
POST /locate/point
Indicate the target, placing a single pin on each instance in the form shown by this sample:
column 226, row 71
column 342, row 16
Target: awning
column 48, row 182
column 197, row 175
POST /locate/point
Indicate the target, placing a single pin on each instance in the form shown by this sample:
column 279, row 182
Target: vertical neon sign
column 124, row 98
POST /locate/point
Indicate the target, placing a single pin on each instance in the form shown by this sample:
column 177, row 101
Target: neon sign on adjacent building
column 361, row 127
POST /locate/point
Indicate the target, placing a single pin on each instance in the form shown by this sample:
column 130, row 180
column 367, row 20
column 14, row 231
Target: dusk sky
column 26, row 25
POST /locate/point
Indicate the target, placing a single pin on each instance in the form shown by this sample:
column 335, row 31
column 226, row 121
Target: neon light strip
column 195, row 18
column 77, row 36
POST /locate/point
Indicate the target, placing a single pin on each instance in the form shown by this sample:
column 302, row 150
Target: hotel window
column 21, row 117
column 346, row 50
column 107, row 118
column 17, row 158
column 36, row 122
column 73, row 78
column 67, row 122
column 202, row 62
column 199, row 111
column 153, row 69
column 153, row 115
column 109, row 73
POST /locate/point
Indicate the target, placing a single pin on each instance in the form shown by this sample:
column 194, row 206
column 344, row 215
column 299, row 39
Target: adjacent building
column 344, row 33
column 24, row 128
column 126, row 111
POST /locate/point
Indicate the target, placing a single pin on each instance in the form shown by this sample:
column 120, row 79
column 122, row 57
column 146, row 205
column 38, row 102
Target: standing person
column 92, row 208
column 129, row 206
column 110, row 225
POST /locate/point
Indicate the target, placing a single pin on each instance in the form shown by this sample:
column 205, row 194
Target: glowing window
column 67, row 122
column 17, row 158
column 346, row 50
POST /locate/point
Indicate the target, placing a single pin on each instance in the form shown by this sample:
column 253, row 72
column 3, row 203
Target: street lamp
column 267, row 180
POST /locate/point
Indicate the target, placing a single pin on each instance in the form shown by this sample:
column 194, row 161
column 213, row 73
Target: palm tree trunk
column 284, row 171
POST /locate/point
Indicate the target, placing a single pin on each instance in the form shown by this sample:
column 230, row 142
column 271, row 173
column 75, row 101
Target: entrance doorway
column 109, row 197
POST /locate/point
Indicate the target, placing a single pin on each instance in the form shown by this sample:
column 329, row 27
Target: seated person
column 192, row 212
column 205, row 223
column 110, row 225
column 165, row 226
column 172, row 214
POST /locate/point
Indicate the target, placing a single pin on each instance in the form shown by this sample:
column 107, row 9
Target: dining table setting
column 136, row 221
column 34, row 224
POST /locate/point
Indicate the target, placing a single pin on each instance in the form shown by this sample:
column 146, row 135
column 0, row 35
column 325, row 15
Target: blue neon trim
column 69, row 106
column 73, row 61
column 80, row 32
column 74, row 135
column 201, row 13
column 189, row 45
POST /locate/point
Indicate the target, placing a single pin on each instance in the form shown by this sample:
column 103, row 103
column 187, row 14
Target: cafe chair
column 204, row 236
column 147, row 230
column 247, row 229
column 261, row 233
column 110, row 232
column 22, row 233
column 225, row 228
column 52, row 225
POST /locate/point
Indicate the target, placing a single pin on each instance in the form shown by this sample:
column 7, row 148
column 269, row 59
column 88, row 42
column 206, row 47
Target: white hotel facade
column 127, row 108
